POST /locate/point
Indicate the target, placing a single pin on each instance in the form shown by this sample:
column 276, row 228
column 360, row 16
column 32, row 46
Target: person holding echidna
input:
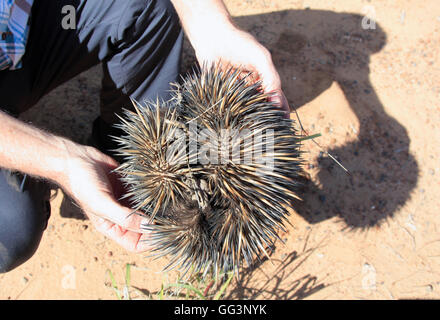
column 138, row 43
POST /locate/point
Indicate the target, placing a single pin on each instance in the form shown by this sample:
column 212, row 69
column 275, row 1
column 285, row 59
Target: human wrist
column 57, row 161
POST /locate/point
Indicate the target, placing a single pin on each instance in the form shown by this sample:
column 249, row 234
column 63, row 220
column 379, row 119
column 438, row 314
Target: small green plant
column 125, row 293
column 196, row 287
column 313, row 136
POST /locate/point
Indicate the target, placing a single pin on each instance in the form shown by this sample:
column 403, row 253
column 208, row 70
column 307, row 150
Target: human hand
column 234, row 47
column 89, row 180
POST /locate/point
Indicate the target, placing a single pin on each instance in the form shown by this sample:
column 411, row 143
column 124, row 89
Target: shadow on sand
column 319, row 48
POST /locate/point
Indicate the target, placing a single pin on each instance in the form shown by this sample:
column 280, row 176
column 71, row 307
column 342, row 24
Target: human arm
column 81, row 171
column 215, row 37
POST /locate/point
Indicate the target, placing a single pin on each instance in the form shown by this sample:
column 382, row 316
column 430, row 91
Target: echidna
column 215, row 169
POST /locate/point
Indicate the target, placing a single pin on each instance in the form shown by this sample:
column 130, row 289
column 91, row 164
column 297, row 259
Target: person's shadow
column 312, row 49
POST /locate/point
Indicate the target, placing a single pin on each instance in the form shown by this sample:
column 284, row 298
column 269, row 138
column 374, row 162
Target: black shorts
column 138, row 43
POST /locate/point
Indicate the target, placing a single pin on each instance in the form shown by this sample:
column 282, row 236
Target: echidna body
column 215, row 168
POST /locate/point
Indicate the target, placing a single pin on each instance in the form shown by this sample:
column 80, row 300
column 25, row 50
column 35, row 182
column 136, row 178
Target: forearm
column 31, row 150
column 202, row 19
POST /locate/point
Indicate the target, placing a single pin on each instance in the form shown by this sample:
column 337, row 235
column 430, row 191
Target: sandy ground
column 373, row 94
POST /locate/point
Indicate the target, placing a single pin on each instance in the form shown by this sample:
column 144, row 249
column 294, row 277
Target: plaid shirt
column 14, row 30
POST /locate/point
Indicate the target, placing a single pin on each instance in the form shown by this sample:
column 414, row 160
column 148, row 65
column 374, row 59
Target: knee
column 150, row 40
column 163, row 8
column 24, row 213
column 144, row 18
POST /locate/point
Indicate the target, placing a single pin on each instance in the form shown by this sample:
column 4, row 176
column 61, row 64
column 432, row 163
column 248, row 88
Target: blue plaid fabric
column 14, row 30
